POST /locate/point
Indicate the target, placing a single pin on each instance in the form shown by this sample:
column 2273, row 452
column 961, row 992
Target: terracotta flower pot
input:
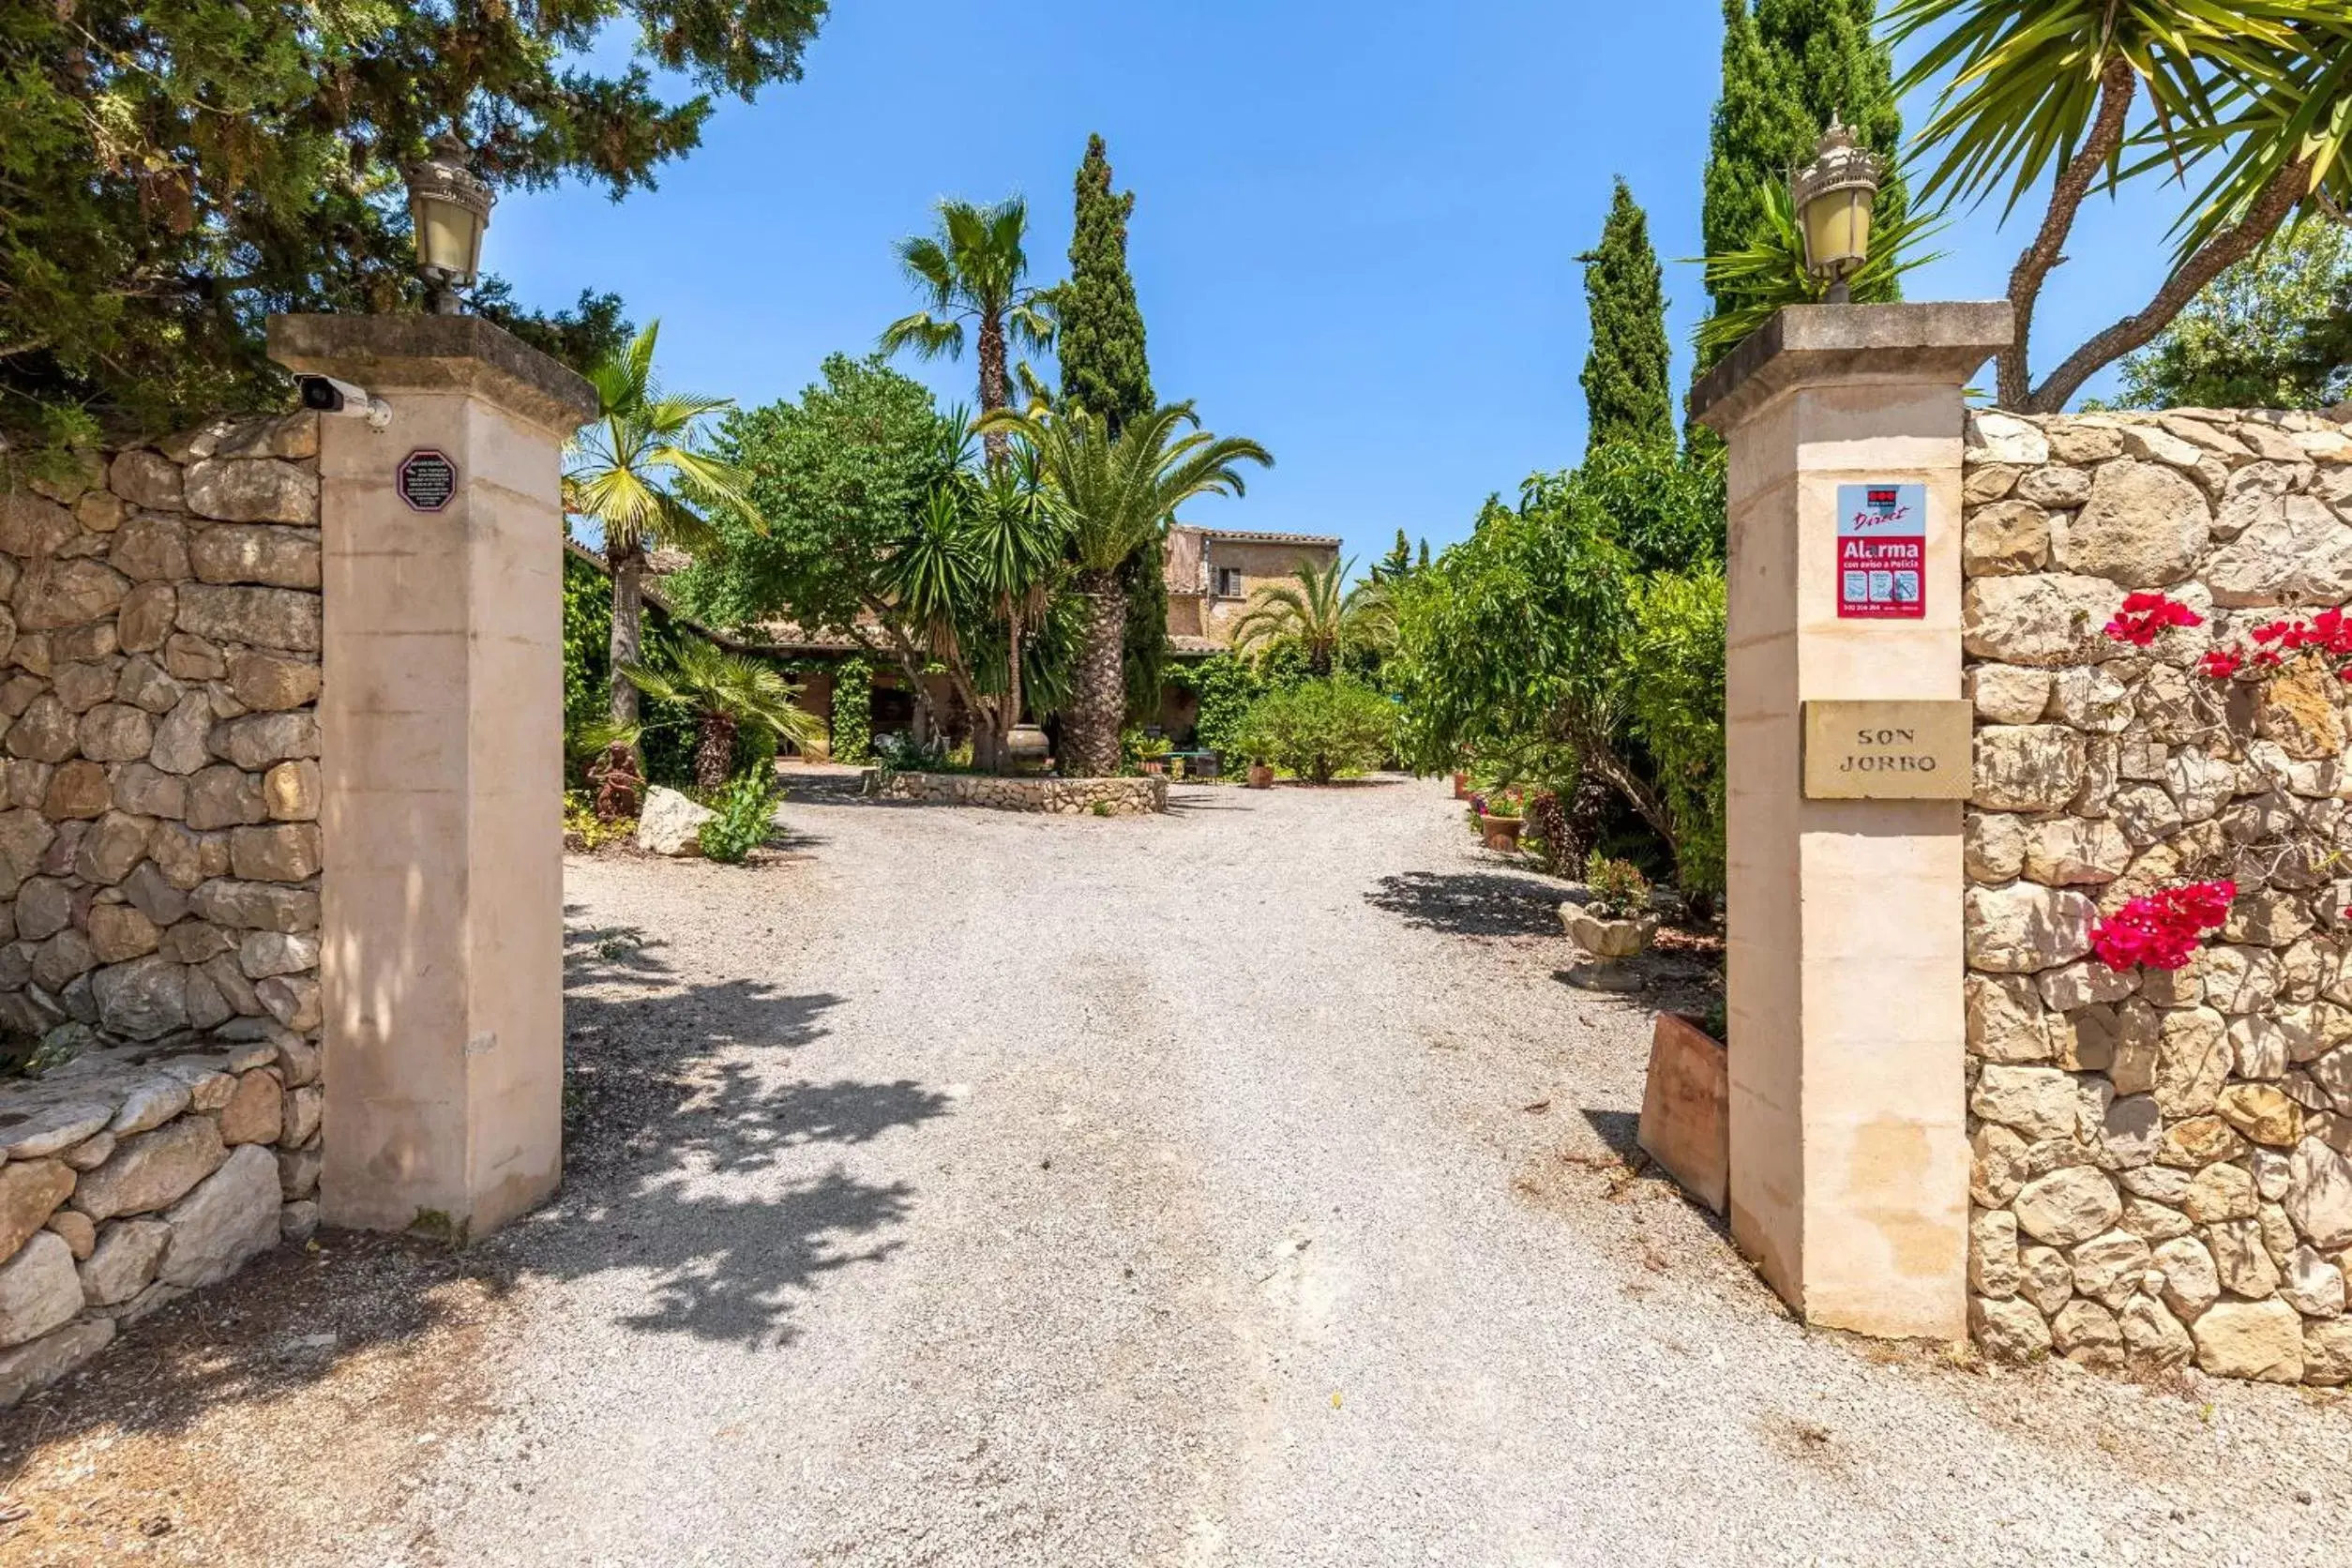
column 1686, row 1109
column 1260, row 776
column 1501, row 832
column 1608, row 943
column 1026, row 749
column 1461, row 786
column 1153, row 765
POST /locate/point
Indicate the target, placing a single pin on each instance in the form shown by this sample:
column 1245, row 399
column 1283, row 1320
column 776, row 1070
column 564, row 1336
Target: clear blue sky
column 1354, row 239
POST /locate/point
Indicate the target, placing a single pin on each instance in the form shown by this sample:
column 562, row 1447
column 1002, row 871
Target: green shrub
column 1677, row 701
column 1319, row 729
column 853, row 711
column 747, row 815
column 1618, row 887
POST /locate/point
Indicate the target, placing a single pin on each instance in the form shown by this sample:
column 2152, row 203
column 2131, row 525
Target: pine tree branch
column 2232, row 244
column 2118, row 85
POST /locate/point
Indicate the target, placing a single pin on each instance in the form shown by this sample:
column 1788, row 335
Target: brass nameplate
column 1889, row 750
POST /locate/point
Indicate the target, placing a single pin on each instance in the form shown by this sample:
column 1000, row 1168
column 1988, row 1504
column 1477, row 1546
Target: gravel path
column 1235, row 1187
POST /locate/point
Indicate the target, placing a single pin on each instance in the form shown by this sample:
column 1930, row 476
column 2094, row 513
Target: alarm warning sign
column 1881, row 551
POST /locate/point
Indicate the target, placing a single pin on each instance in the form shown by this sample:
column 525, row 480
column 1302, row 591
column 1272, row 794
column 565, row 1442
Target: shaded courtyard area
column 1240, row 1186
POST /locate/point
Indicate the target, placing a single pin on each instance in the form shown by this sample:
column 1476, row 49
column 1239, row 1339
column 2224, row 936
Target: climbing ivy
column 853, row 711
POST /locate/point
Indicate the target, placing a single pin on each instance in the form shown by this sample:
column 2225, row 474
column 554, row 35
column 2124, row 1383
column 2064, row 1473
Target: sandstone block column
column 1849, row 1160
column 442, row 766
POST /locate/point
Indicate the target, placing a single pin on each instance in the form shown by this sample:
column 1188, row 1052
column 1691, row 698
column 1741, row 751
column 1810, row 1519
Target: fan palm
column 1114, row 492
column 728, row 692
column 1318, row 614
column 973, row 269
column 640, row 471
column 2066, row 89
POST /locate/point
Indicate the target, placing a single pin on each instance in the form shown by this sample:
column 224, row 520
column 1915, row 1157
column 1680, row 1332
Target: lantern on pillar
column 449, row 207
column 1832, row 196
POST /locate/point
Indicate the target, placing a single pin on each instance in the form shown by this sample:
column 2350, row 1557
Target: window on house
column 1229, row 583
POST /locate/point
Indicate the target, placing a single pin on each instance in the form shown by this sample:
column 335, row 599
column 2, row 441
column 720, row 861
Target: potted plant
column 1612, row 925
column 1151, row 753
column 1261, row 774
column 1498, row 828
column 1461, row 785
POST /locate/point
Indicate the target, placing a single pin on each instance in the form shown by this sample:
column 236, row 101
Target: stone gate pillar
column 1847, row 761
column 441, row 732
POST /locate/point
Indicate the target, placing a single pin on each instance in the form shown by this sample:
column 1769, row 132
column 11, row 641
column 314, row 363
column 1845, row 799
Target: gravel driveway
column 1240, row 1186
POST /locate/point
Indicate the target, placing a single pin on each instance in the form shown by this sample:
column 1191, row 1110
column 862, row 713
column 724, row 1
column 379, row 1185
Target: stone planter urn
column 1260, row 776
column 1608, row 943
column 1501, row 832
column 1026, row 749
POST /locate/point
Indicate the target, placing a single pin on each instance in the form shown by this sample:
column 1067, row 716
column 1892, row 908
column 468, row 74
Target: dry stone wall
column 1067, row 797
column 2162, row 1159
column 160, row 861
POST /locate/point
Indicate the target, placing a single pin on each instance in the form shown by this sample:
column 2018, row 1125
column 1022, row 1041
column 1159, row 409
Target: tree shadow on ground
column 681, row 1121
column 1472, row 903
column 680, row 1105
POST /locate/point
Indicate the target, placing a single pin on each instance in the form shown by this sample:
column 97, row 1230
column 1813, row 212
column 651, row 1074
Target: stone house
column 1211, row 572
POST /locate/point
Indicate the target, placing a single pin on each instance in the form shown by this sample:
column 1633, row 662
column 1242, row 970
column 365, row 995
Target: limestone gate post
column 441, row 754
column 1847, row 744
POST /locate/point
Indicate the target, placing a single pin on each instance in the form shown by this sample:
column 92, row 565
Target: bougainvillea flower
column 2145, row 616
column 2160, row 930
column 2222, row 663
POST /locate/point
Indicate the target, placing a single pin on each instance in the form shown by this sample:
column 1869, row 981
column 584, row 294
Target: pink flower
column 2222, row 663
column 2160, row 930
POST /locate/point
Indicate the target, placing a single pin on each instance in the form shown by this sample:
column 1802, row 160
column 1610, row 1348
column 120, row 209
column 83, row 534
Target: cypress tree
column 1787, row 66
column 1625, row 371
column 1104, row 367
column 1105, row 371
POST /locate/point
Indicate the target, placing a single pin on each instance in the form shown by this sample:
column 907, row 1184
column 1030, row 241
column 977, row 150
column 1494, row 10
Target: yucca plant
column 1319, row 614
column 2088, row 94
column 640, row 471
column 1769, row 271
column 727, row 691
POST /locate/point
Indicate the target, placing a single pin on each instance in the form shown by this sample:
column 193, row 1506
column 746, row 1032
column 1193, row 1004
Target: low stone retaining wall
column 2162, row 1158
column 1066, row 797
column 132, row 1176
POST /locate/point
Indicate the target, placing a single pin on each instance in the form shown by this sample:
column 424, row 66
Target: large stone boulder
column 2047, row 619
column 230, row 1216
column 151, row 1169
column 2067, row 1206
column 124, row 1260
column 38, row 1289
column 2262, row 1340
column 2144, row 526
column 2026, row 927
column 670, row 824
column 30, row 1191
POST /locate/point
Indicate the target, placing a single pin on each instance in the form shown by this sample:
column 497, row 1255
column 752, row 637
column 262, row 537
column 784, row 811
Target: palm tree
column 974, row 269
column 1114, row 493
column 1313, row 611
column 981, row 548
column 2090, row 93
column 729, row 692
column 638, row 470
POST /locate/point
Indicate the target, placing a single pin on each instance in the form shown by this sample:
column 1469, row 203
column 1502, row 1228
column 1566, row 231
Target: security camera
column 328, row 395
